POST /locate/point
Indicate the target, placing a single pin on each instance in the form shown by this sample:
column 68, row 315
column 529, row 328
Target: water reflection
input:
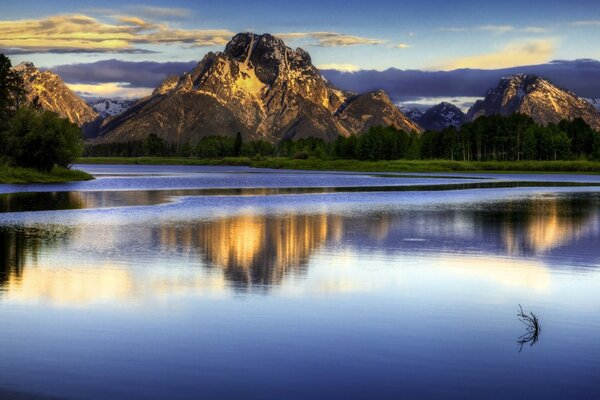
column 23, row 246
column 513, row 243
column 47, row 201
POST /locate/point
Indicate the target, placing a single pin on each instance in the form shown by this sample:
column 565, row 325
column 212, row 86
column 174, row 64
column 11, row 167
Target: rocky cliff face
column 536, row 97
column 52, row 94
column 441, row 116
column 260, row 87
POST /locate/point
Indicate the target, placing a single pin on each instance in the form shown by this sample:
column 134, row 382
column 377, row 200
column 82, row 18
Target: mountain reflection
column 544, row 225
column 257, row 252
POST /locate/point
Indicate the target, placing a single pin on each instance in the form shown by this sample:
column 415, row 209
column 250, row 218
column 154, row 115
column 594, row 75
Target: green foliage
column 9, row 174
column 12, row 92
column 154, row 145
column 488, row 138
column 42, row 140
column 237, row 145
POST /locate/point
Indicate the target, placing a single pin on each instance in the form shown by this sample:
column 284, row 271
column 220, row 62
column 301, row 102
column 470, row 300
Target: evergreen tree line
column 500, row 138
column 29, row 136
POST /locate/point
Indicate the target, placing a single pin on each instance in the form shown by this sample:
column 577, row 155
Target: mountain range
column 265, row 90
column 259, row 87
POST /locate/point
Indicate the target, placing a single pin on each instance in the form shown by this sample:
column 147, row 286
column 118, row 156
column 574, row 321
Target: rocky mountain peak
column 51, row 93
column 261, row 88
column 441, row 116
column 25, row 65
column 536, row 97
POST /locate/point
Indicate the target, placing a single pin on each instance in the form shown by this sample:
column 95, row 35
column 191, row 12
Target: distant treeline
column 488, row 138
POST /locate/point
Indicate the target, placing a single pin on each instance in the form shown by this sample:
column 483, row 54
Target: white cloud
column 82, row 33
column 330, row 39
column 340, row 67
column 110, row 90
column 496, row 29
column 526, row 52
column 591, row 22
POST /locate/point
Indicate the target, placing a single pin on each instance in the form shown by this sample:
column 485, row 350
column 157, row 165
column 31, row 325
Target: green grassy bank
column 366, row 166
column 10, row 174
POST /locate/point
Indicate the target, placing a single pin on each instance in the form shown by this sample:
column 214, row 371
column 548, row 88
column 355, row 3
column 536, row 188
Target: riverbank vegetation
column 364, row 166
column 490, row 143
column 35, row 145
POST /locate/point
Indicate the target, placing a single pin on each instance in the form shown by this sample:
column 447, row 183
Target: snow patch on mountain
column 595, row 101
column 111, row 107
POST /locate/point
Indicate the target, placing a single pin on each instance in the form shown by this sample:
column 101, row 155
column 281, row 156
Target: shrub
column 42, row 140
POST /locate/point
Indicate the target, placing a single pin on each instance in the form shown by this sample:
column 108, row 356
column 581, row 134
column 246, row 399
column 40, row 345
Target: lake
column 175, row 282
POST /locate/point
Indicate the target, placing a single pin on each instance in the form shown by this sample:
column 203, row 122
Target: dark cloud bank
column 141, row 74
column 579, row 76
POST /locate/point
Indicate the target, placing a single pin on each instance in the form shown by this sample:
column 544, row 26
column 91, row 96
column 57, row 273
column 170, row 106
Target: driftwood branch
column 533, row 329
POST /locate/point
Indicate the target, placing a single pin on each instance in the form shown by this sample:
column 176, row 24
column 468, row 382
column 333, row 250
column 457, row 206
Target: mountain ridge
column 536, row 97
column 51, row 93
column 259, row 87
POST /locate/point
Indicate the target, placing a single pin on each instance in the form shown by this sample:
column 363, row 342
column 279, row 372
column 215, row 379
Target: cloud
column 579, row 76
column 340, row 67
column 140, row 74
column 109, row 90
column 402, row 46
column 330, row 39
column 534, row 29
column 496, row 29
column 84, row 34
column 163, row 12
column 516, row 53
column 594, row 22
column 452, row 29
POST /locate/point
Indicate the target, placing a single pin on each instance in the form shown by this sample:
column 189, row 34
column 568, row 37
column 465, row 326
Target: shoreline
column 539, row 167
column 15, row 175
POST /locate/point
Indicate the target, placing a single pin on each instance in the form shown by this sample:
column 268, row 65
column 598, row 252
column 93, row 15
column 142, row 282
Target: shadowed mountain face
column 441, row 116
column 259, row 87
column 52, row 94
column 536, row 97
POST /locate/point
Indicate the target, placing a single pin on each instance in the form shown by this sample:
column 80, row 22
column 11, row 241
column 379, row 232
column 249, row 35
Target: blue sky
column 345, row 35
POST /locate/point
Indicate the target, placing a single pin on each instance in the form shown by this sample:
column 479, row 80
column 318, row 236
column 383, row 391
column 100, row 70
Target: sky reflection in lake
column 336, row 295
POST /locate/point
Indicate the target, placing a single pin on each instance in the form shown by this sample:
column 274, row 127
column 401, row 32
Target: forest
column 489, row 138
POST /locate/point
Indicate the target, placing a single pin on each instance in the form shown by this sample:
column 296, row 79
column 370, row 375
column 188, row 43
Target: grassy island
column 14, row 175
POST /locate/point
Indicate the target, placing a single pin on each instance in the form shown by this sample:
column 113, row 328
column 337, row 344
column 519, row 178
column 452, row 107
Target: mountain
column 54, row 95
column 259, row 87
column 414, row 114
column 536, row 97
column 441, row 116
column 111, row 107
column 595, row 101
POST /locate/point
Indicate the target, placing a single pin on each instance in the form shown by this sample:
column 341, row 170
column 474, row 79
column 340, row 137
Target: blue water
column 141, row 284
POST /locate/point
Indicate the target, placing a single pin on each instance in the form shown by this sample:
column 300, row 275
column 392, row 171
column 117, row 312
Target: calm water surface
column 233, row 283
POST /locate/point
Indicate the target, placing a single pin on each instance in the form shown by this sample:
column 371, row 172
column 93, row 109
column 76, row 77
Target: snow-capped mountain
column 52, row 94
column 111, row 107
column 413, row 113
column 595, row 101
column 259, row 87
column 441, row 116
column 536, row 97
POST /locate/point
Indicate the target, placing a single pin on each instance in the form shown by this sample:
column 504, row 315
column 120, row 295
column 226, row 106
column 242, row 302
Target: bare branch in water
column 533, row 329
